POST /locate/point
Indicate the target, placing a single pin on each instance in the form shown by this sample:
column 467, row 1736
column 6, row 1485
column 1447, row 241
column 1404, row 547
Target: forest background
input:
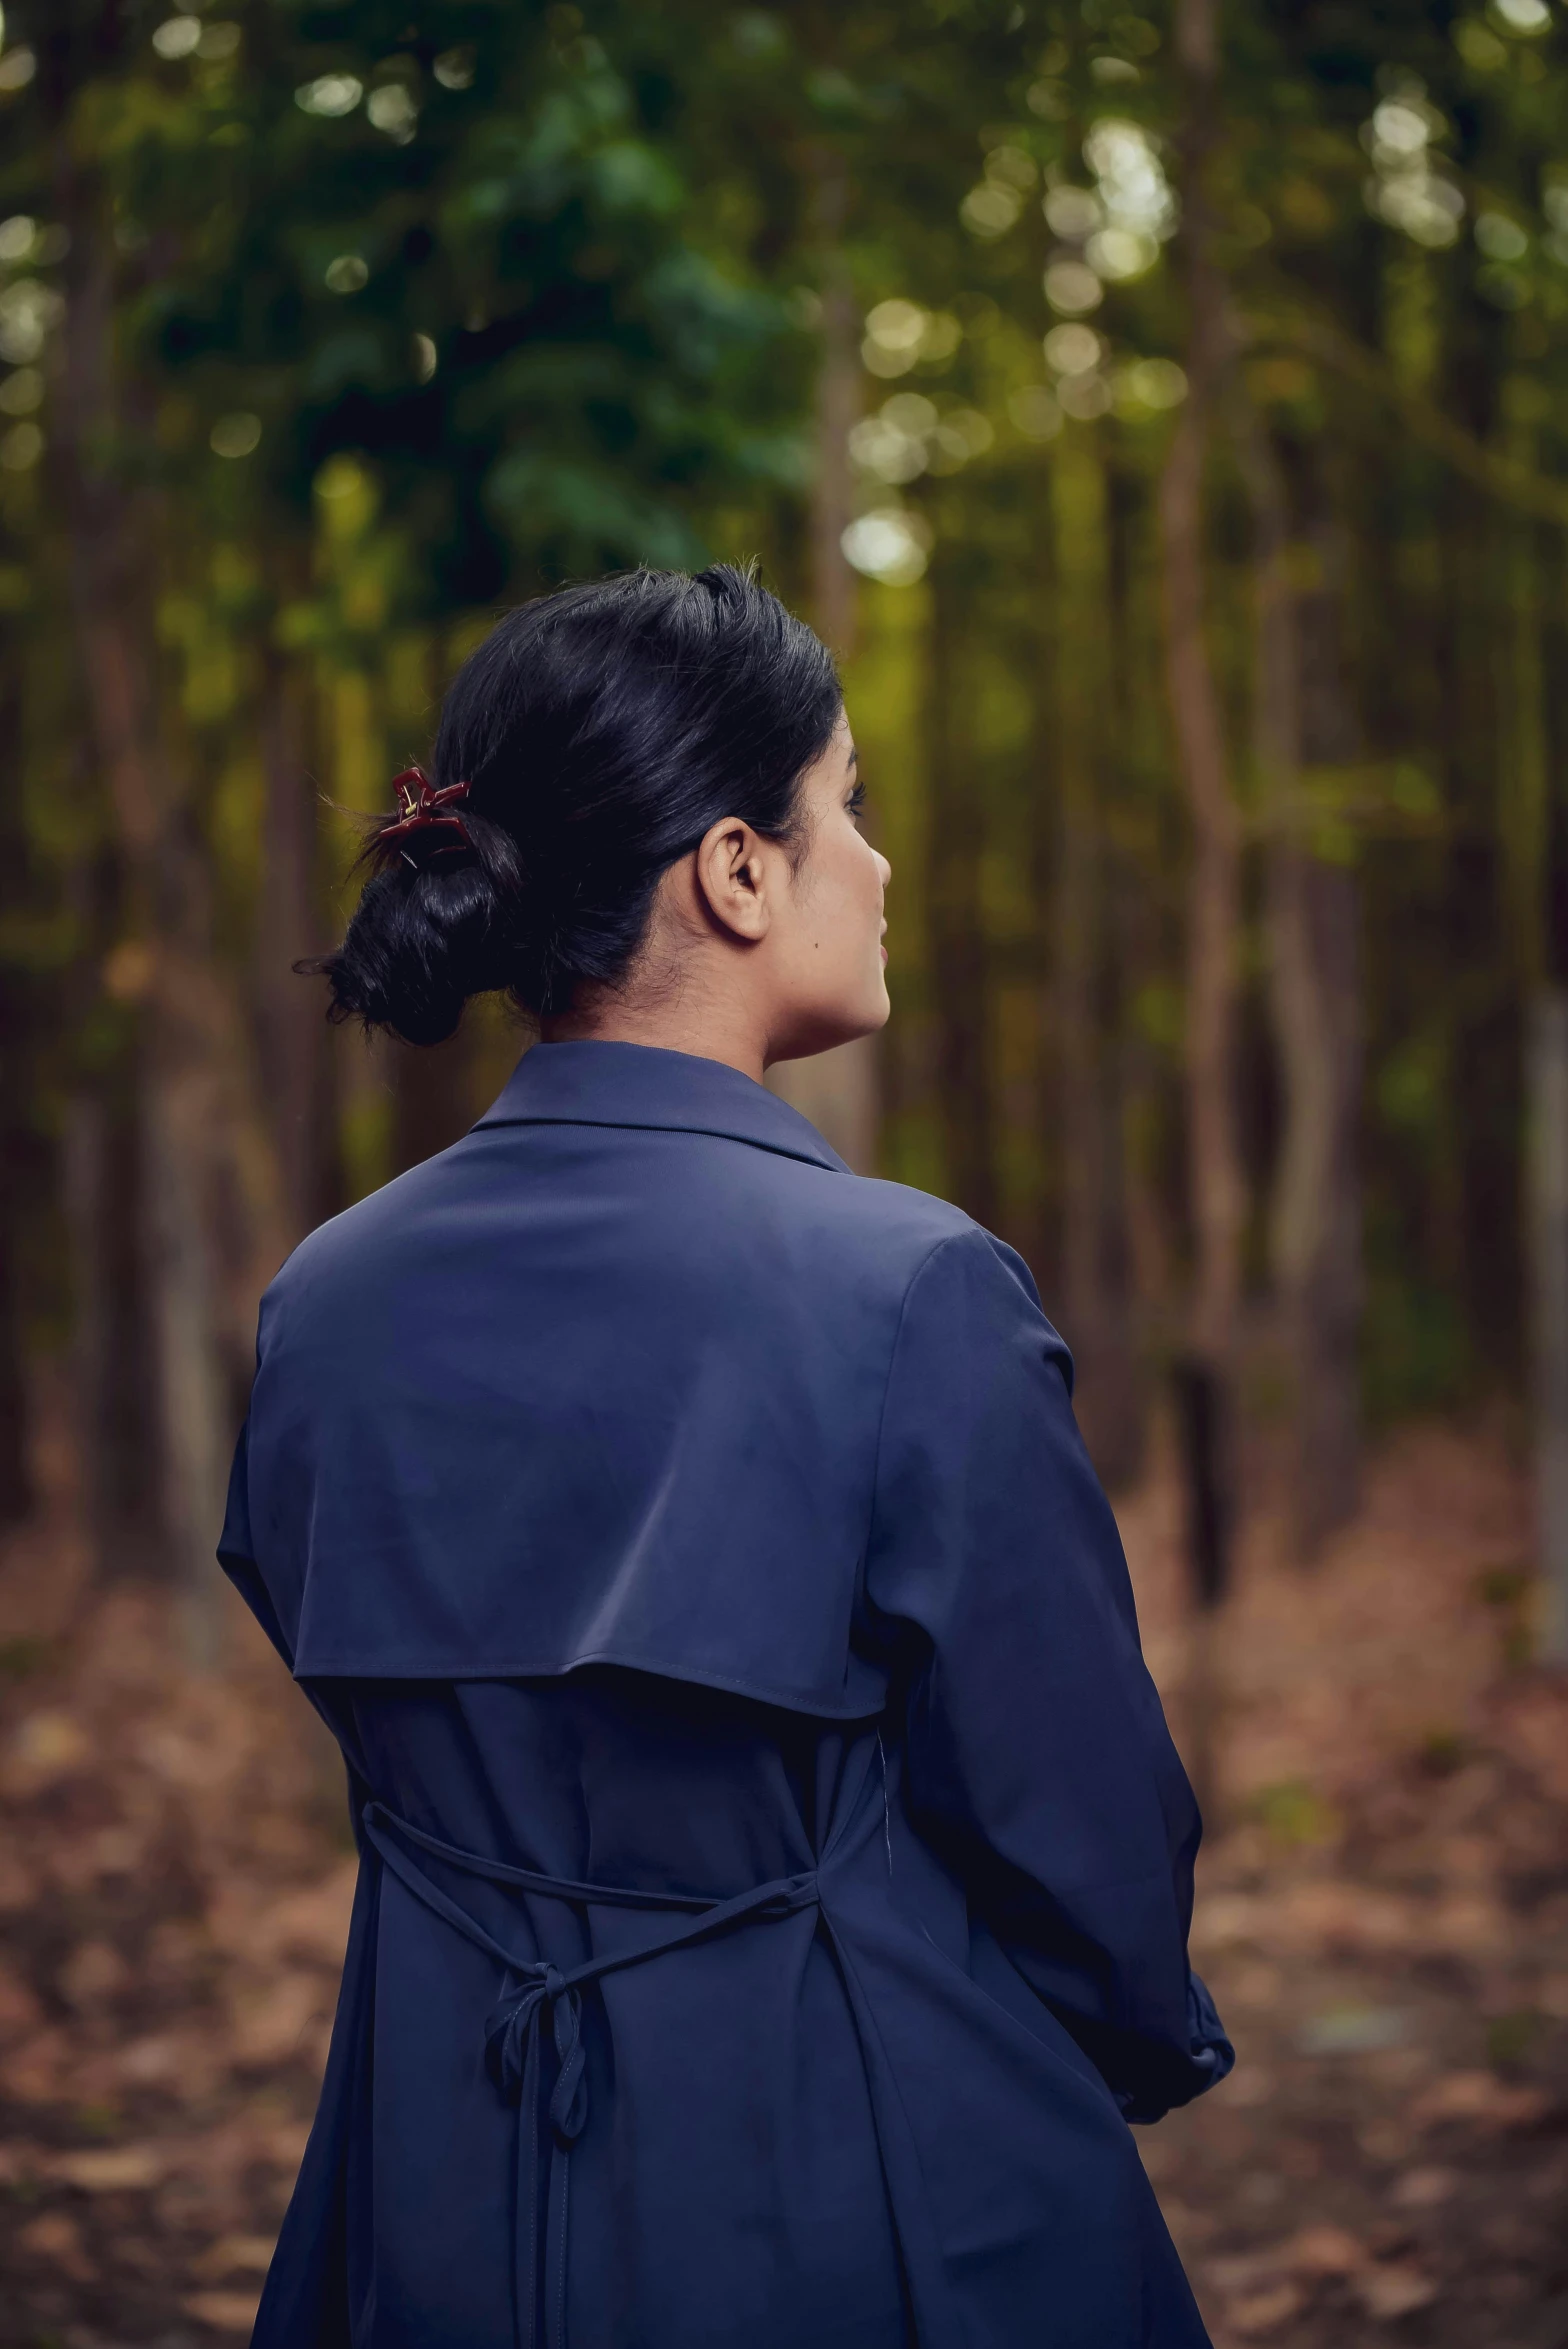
column 1166, row 430
column 1160, row 410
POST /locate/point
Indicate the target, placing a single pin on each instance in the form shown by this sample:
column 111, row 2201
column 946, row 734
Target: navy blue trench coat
column 775, row 1870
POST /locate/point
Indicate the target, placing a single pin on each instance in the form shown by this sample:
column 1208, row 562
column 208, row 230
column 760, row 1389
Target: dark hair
column 601, row 730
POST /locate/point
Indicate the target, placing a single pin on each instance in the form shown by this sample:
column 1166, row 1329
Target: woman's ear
column 733, row 875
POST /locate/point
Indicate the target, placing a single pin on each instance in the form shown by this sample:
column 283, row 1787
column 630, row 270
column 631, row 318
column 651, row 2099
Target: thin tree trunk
column 20, row 1047
column 114, row 1359
column 1329, row 1294
column 211, row 1231
column 1123, row 1428
column 1214, row 1173
column 954, row 849
column 193, row 1384
column 1525, row 826
column 1547, row 1080
column 16, row 1480
column 1093, row 1286
column 838, row 403
column 837, row 1090
column 436, row 1092
column 1302, row 720
column 1214, row 1162
column 1045, row 853
column 1079, row 512
column 297, row 1060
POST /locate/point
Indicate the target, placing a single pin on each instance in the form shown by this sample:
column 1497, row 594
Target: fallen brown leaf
column 20, row 2162
column 314, row 1924
column 271, row 2028
column 33, row 2074
column 1483, row 2097
column 1265, row 2312
column 1324, row 2251
column 234, row 2255
column 93, row 1972
column 222, row 2312
column 1423, row 2189
column 110, row 2169
column 20, row 2011
column 1236, row 2273
column 1390, row 2292
column 55, row 2236
column 46, row 1747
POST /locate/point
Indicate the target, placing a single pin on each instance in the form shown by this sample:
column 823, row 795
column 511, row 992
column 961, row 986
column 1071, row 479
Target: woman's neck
column 682, row 1022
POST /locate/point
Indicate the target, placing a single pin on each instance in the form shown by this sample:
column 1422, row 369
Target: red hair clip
column 421, row 809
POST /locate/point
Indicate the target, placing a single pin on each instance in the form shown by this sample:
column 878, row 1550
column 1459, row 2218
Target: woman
column 775, row 1871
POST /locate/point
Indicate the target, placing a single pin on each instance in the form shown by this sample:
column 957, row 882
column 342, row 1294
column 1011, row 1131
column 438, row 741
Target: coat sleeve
column 237, row 1551
column 1039, row 1762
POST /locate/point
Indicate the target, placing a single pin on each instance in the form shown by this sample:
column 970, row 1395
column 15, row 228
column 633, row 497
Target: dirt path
column 1384, row 1922
column 1385, row 1927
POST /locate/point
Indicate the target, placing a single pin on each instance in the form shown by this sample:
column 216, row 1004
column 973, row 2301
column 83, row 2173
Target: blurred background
column 1160, row 410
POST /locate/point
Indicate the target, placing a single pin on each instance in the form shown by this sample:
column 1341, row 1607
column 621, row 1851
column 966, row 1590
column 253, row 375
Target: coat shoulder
column 889, row 1221
column 374, row 1229
column 696, row 1198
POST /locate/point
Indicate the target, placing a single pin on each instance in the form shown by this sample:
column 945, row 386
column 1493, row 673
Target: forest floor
column 1383, row 1915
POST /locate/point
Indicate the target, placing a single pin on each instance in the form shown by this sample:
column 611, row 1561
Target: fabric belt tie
column 509, row 2033
column 538, row 1993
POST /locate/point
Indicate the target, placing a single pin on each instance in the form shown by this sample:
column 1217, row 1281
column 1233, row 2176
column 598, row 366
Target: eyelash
column 856, row 802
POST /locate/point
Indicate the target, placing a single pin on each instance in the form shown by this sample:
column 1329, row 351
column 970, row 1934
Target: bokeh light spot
column 331, row 94
column 1072, row 287
column 1073, row 350
column 889, row 545
column 236, row 435
column 392, row 109
column 1035, row 411
column 177, row 36
column 22, row 392
column 21, row 448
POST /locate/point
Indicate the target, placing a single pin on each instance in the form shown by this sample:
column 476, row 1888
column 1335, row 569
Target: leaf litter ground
column 1383, row 1916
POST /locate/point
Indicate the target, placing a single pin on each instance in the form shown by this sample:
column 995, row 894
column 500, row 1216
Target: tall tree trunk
column 1327, row 1280
column 114, row 1359
column 1090, row 1141
column 211, row 1232
column 16, row 1478
column 838, row 403
column 1079, row 503
column 955, row 843
column 1046, row 1252
column 20, row 1047
column 1528, row 867
column 1303, row 721
column 1215, row 1182
column 114, row 1366
column 435, row 1096
column 837, row 1090
column 1216, row 1193
column 296, row 1045
column 1547, row 1171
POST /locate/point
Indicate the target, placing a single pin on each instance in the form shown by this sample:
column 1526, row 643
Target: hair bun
column 604, row 729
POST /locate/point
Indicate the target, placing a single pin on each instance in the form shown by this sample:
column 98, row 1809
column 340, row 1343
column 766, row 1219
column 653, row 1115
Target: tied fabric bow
column 537, row 1994
column 511, row 2038
column 424, row 809
column 513, row 2056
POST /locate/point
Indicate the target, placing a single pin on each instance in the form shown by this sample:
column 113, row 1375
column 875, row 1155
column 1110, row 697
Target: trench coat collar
column 641, row 1085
